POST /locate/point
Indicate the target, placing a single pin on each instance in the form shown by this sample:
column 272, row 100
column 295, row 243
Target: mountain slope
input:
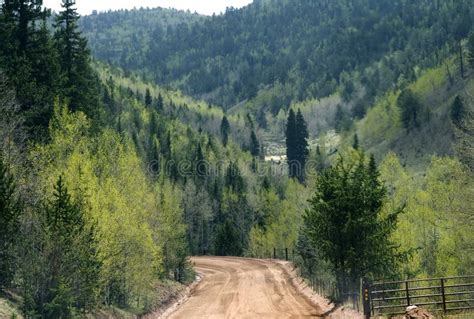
column 125, row 36
column 311, row 48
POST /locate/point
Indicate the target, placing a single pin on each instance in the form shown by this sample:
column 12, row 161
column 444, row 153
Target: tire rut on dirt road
column 243, row 288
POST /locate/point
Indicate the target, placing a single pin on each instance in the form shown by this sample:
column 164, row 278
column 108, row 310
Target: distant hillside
column 382, row 130
column 290, row 50
column 124, row 36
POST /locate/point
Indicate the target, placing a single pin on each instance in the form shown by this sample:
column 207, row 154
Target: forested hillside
column 105, row 190
column 292, row 50
column 126, row 35
column 115, row 169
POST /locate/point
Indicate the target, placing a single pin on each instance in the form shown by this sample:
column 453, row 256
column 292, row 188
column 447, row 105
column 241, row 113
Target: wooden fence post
column 366, row 298
column 408, row 293
column 286, row 254
column 443, row 295
column 274, row 253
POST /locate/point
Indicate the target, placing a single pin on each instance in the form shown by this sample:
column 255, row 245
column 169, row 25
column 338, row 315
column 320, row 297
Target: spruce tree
column 159, row 103
column 291, row 144
column 200, row 165
column 29, row 60
column 79, row 81
column 457, row 111
column 254, row 144
column 470, row 47
column 225, row 130
column 410, row 106
column 296, row 145
column 460, row 28
column 347, row 225
column 233, row 179
column 9, row 224
column 148, row 98
column 74, row 267
column 166, row 146
column 302, row 147
column 227, row 241
column 355, row 143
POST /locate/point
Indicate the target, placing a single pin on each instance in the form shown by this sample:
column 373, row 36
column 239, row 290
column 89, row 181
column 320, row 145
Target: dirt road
column 244, row 288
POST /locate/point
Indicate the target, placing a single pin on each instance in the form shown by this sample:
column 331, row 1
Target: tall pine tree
column 79, row 80
column 225, row 130
column 296, row 145
column 159, row 103
column 470, row 47
column 29, row 60
column 148, row 98
column 457, row 111
column 9, row 224
column 410, row 107
column 346, row 223
column 291, row 143
column 254, row 144
column 73, row 272
column 302, row 150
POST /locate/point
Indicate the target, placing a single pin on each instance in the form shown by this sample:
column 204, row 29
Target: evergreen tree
column 166, row 146
column 249, row 122
column 345, row 222
column 262, row 119
column 79, row 81
column 9, row 224
column 148, row 98
column 225, row 130
column 457, row 111
column 307, row 251
column 159, row 103
column 470, row 47
column 200, row 165
column 460, row 29
column 73, row 272
column 29, row 60
column 19, row 19
column 410, row 106
column 355, row 143
column 227, row 240
column 291, row 148
column 233, row 179
column 154, row 125
column 302, row 147
column 296, row 145
column 254, row 144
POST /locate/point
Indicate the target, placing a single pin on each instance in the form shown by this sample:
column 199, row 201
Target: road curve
column 243, row 288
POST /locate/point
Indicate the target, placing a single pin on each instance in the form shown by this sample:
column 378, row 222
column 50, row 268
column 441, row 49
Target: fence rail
column 283, row 253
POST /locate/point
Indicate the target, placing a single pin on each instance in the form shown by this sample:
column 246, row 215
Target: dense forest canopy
column 306, row 45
